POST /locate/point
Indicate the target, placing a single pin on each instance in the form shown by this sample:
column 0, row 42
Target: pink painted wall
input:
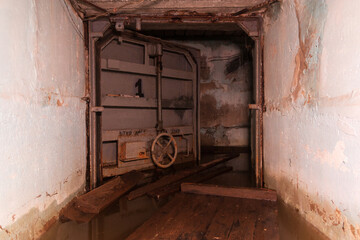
column 312, row 122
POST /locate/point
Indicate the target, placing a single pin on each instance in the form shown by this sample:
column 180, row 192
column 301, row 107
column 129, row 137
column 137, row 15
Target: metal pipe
column 159, row 86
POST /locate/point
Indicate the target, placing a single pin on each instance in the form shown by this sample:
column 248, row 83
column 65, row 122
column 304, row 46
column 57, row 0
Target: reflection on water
column 116, row 222
column 123, row 217
column 295, row 227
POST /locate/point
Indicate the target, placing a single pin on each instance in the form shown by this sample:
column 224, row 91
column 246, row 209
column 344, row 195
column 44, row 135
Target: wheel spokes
column 164, row 150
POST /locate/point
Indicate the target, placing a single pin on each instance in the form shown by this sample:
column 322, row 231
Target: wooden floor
column 192, row 216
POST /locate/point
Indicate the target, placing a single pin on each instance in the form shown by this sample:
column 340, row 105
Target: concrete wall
column 42, row 118
column 312, row 123
column 225, row 92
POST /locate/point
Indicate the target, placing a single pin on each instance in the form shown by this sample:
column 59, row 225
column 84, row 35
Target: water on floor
column 115, row 222
column 123, row 217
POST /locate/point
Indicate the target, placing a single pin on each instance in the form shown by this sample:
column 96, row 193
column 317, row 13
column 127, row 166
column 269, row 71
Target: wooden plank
column 85, row 207
column 160, row 219
column 266, row 225
column 222, row 222
column 193, row 222
column 249, row 193
column 71, row 212
column 243, row 226
column 175, row 226
column 175, row 187
column 177, row 176
column 189, row 216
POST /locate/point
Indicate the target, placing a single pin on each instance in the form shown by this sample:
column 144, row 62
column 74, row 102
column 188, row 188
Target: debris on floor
column 84, row 208
column 173, row 178
column 87, row 206
column 175, row 187
column 214, row 190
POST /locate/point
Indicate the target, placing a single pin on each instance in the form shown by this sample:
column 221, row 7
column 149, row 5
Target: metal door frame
column 251, row 25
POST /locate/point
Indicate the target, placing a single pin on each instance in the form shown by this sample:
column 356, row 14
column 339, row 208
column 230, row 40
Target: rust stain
column 4, row 229
column 48, row 224
column 321, row 212
column 352, row 228
column 336, row 218
column 60, row 102
column 300, row 59
column 227, row 115
column 142, row 155
column 50, row 195
column 204, row 68
column 206, row 87
column 13, row 217
column 122, row 151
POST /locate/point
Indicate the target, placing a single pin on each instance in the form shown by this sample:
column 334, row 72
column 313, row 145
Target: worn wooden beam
column 175, row 187
column 169, row 179
column 164, row 6
column 248, row 193
column 85, row 207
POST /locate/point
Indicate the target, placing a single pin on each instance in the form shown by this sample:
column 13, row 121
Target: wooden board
column 175, row 187
column 85, row 207
column 249, row 193
column 169, row 179
column 191, row 216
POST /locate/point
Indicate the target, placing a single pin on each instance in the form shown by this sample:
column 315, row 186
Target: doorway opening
column 208, row 96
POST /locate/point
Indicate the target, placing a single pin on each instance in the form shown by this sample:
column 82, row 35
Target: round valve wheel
column 164, row 150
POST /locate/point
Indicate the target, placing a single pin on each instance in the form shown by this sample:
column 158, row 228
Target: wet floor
column 123, row 217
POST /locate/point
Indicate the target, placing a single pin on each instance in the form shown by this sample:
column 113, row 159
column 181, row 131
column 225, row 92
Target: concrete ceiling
column 91, row 8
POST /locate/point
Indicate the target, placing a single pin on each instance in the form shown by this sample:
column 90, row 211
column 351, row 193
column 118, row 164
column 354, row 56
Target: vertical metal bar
column 159, row 88
column 197, row 108
column 259, row 112
column 258, row 156
column 93, row 168
column 261, row 102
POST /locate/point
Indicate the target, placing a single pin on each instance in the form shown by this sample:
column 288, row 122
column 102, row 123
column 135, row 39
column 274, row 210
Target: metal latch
column 257, row 107
column 97, row 109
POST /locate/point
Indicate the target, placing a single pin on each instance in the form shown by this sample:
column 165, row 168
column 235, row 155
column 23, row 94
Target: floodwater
column 123, row 217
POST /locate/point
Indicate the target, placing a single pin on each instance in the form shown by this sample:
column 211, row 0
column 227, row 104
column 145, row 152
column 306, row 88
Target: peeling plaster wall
column 312, row 122
column 225, row 92
column 42, row 116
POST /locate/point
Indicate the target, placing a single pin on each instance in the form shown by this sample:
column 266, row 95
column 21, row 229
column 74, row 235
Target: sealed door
column 146, row 90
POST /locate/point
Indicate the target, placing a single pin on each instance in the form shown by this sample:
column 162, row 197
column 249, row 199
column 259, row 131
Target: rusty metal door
column 128, row 101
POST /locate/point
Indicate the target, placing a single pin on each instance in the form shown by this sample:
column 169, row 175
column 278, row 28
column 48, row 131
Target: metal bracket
column 97, row 109
column 254, row 106
column 120, row 26
column 251, row 27
column 257, row 107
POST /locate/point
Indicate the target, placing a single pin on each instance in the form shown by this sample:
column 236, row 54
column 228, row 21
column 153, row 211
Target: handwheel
column 164, row 150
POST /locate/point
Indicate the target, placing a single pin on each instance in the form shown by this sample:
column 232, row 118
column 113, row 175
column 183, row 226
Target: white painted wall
column 42, row 118
column 312, row 123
